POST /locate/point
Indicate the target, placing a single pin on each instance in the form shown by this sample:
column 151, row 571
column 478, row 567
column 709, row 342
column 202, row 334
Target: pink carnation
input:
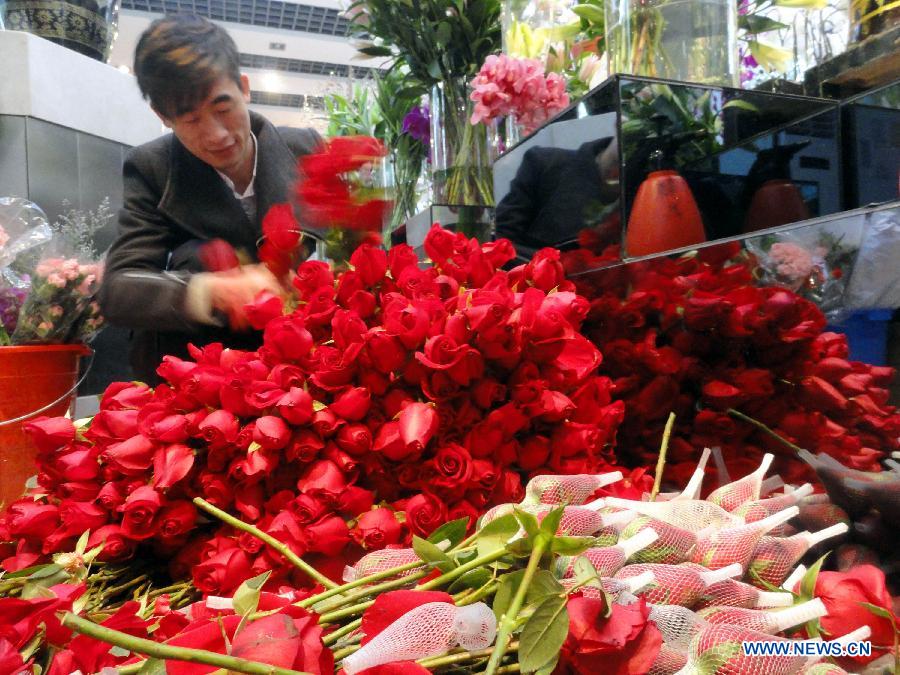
column 791, row 261
column 506, row 86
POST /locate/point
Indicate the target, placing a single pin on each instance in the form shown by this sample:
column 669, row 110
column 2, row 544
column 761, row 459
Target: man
column 214, row 176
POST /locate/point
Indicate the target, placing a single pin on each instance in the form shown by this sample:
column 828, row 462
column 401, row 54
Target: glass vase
column 685, row 40
column 461, row 153
column 85, row 26
column 538, row 29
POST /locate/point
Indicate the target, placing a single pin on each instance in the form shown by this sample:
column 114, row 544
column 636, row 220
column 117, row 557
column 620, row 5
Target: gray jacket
column 172, row 203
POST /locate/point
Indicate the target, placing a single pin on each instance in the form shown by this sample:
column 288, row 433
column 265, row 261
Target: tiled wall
column 50, row 164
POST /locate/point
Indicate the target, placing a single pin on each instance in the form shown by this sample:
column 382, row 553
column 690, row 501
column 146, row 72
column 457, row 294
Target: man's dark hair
column 178, row 59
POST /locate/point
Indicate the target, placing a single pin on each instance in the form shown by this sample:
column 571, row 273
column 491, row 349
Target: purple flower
column 11, row 300
column 417, row 124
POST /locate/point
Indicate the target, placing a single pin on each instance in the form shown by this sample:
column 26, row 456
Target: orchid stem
column 661, row 462
column 508, row 622
column 168, row 652
column 762, row 427
column 282, row 548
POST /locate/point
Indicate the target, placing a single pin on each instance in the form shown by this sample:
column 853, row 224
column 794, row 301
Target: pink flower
column 506, row 86
column 4, row 237
column 791, row 261
column 56, row 279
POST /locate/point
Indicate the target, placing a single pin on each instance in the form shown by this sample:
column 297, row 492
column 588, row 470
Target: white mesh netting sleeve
column 746, row 489
column 574, row 489
column 734, row 593
column 720, row 548
column 381, row 561
column 690, row 514
column 678, row 625
column 765, row 621
column 431, row 629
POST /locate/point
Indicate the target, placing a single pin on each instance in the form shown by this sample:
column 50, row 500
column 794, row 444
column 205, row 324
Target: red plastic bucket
column 34, row 380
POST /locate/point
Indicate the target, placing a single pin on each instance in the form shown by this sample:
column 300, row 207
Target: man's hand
column 231, row 290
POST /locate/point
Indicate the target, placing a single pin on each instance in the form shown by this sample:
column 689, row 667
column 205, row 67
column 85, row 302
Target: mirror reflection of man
column 558, row 192
column 214, row 176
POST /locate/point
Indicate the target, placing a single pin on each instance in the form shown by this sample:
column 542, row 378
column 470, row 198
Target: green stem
column 333, row 637
column 508, row 621
column 372, row 590
column 461, row 657
column 762, row 427
column 364, row 581
column 346, row 651
column 282, row 548
column 454, row 574
column 661, row 462
column 168, row 652
column 344, row 612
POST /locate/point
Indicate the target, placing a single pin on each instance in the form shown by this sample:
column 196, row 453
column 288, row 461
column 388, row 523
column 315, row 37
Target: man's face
column 218, row 130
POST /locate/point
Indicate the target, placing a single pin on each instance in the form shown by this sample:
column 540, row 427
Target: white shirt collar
column 250, row 191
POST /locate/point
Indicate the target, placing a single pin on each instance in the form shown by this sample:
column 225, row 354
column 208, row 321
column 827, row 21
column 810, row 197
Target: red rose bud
column 280, row 228
column 370, row 263
column 177, row 518
column 545, row 271
column 400, row 257
column 386, row 351
column 132, row 457
column 265, row 307
column 50, row 433
column 116, row 546
column 304, row 447
column 27, row 518
column 328, row 535
column 139, row 513
column 287, row 338
column 326, row 423
column 217, row 255
column 170, row 464
column 377, row 529
column 355, row 500
column 311, row 276
column 822, row 395
column 323, row 479
column 418, row 423
column 271, row 432
column 296, row 406
column 352, row 404
column 354, row 439
column 222, row 573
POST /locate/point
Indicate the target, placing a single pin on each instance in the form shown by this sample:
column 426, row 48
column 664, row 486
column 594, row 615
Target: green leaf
column 759, row 24
column 548, row 667
column 495, row 535
column 741, row 104
column 374, row 50
column 153, row 667
column 28, row 571
column 543, row 584
column 443, row 34
column 879, row 611
column 509, row 584
column 808, row 582
column 45, row 571
column 543, row 634
column 472, row 579
column 81, row 544
column 589, row 13
column 529, row 523
column 571, row 545
column 432, row 555
column 550, row 523
column 246, row 597
column 454, row 532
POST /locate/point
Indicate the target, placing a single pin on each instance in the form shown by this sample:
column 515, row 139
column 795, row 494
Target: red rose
column 425, row 513
column 545, row 271
column 139, row 513
column 116, row 546
column 280, row 227
column 843, row 593
column 271, row 432
column 296, row 406
column 352, row 404
column 821, row 395
column 27, row 518
column 78, row 517
column 217, row 255
column 50, row 433
column 623, row 643
column 125, row 396
column 265, row 307
column 216, row 490
column 287, row 338
column 400, row 257
column 80, row 464
column 354, row 439
column 132, row 457
column 370, row 263
column 377, row 529
column 176, row 518
column 311, row 276
column 328, row 535
column 464, row 509
column 385, row 351
column 323, row 479
column 171, row 464
column 220, row 427
column 453, row 466
column 355, row 500
column 290, row 640
column 222, row 573
column 408, row 322
column 304, row 447
column 418, row 422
